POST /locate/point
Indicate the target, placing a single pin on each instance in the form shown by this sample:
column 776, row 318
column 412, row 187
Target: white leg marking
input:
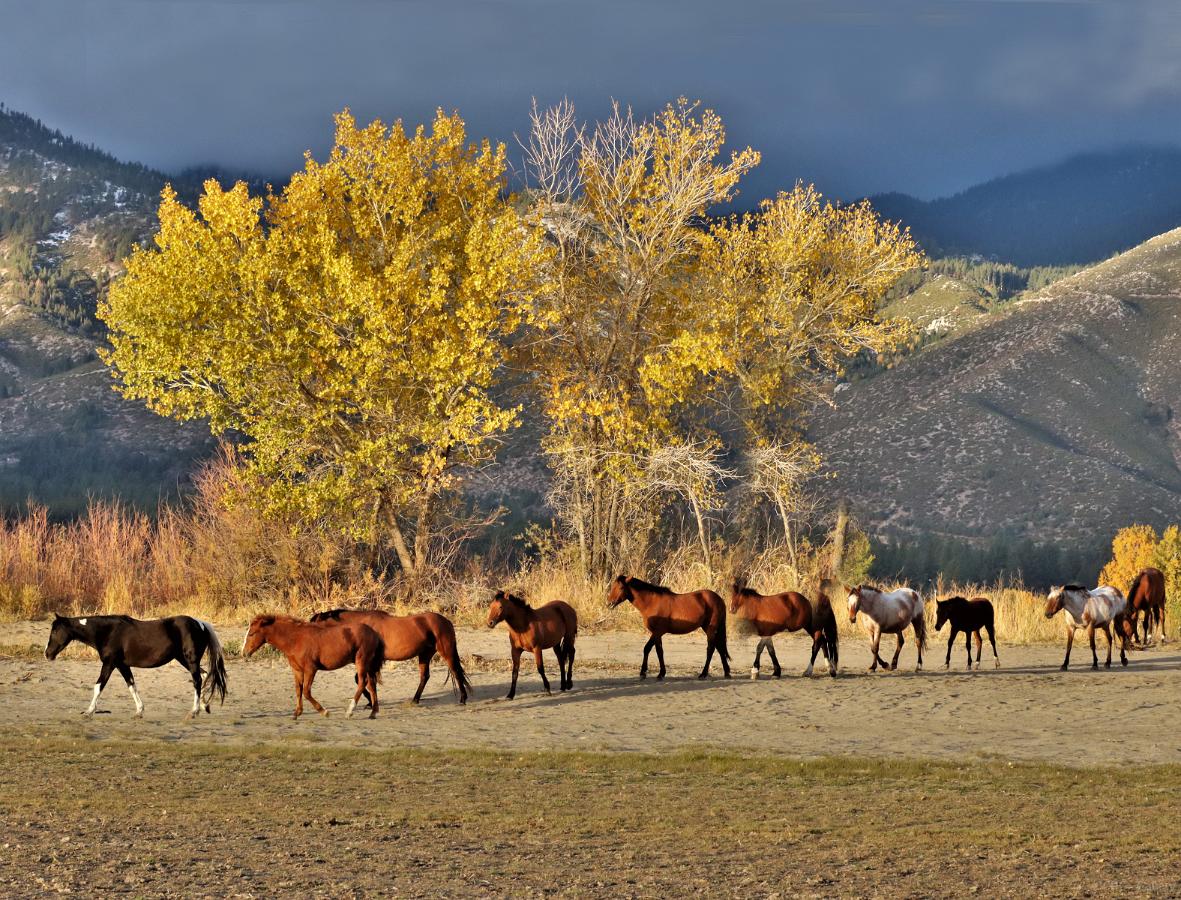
column 808, row 671
column 349, row 714
column 93, row 700
column 139, row 704
column 754, row 673
column 196, row 702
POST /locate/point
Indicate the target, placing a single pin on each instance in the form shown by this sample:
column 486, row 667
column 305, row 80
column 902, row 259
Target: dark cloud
column 858, row 96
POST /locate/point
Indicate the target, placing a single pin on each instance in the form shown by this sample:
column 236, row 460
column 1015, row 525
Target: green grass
column 188, row 818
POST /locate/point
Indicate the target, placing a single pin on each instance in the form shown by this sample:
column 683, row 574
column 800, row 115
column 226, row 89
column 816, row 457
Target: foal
column 311, row 647
column 1097, row 609
column 789, row 611
column 667, row 613
column 554, row 625
column 968, row 616
column 123, row 643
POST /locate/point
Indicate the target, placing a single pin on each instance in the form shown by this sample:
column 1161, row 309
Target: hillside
column 1082, row 209
column 67, row 214
column 1051, row 420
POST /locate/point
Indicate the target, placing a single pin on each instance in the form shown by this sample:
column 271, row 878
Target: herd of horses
column 369, row 638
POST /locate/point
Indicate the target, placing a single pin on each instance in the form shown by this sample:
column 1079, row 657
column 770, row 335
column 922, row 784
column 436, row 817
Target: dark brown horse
column 968, row 616
column 1147, row 595
column 667, row 613
column 124, row 643
column 789, row 611
column 554, row 625
column 405, row 637
column 311, row 647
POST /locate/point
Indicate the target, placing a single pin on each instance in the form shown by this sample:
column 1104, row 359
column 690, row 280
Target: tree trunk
column 405, row 560
column 838, row 539
column 423, row 529
column 788, row 538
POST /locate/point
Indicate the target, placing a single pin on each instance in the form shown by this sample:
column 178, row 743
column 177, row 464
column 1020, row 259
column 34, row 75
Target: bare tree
column 779, row 472
column 693, row 472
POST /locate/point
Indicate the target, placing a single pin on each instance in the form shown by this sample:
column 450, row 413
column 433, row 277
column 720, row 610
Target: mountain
column 68, row 213
column 1077, row 211
column 1052, row 420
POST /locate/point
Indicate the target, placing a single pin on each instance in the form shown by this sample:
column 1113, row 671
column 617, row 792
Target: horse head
column 736, row 594
column 1054, row 601
column 60, row 634
column 854, row 601
column 255, row 634
column 620, row 591
column 496, row 610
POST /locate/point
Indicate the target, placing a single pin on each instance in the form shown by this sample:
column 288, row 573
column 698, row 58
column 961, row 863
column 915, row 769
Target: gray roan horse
column 124, row 643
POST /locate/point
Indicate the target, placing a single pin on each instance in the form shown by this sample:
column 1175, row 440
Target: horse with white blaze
column 889, row 612
column 124, row 643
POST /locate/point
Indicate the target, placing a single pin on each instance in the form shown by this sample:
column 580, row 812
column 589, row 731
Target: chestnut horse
column 1098, row 609
column 554, row 625
column 968, row 616
column 1147, row 595
column 889, row 613
column 422, row 636
column 667, row 613
column 311, row 647
column 789, row 611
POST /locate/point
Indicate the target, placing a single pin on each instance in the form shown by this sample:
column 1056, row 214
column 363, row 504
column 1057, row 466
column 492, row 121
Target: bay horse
column 667, row 613
column 421, row 635
column 554, row 625
column 1147, row 595
column 124, row 643
column 772, row 613
column 1098, row 609
column 968, row 616
column 889, row 613
column 311, row 647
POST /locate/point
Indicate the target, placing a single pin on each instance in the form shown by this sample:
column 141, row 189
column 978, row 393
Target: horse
column 968, row 616
column 311, row 647
column 789, row 611
column 889, row 613
column 667, row 613
column 554, row 625
column 422, row 636
column 1100, row 608
column 124, row 643
column 1147, row 594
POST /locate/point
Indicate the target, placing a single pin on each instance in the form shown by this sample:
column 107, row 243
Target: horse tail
column 448, row 648
column 215, row 680
column 828, row 622
column 720, row 634
column 920, row 630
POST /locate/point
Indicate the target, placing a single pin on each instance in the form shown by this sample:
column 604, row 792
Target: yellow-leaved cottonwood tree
column 663, row 328
column 351, row 329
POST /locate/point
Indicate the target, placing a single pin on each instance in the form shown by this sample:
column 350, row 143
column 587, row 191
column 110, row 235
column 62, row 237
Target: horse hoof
column 754, row 674
column 324, row 713
column 643, row 675
column 207, row 711
column 1123, row 662
column 138, row 715
column 1062, row 668
column 660, row 677
column 727, row 674
column 88, row 714
column 946, row 666
column 373, row 715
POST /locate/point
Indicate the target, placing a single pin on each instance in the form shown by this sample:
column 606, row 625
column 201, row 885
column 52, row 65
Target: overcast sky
column 860, row 97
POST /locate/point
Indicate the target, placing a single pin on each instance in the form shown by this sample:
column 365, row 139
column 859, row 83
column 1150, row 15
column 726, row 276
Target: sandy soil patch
column 1026, row 710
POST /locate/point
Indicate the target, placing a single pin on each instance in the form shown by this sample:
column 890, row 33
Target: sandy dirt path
column 1025, row 710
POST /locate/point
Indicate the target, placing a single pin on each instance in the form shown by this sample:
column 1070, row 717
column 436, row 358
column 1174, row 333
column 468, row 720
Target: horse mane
column 746, row 591
column 1076, row 587
column 506, row 597
column 329, row 614
column 648, row 586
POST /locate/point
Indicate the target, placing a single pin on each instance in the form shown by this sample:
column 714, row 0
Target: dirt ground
column 1026, row 710
column 1009, row 782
